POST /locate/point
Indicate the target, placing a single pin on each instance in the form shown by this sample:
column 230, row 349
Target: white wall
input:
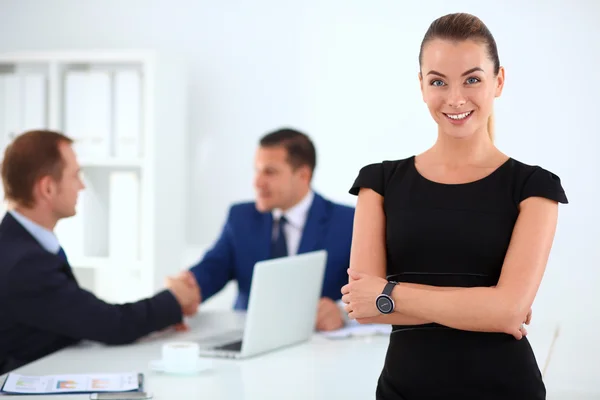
column 345, row 71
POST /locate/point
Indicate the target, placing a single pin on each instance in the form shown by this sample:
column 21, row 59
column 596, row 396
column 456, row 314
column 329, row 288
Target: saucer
column 201, row 365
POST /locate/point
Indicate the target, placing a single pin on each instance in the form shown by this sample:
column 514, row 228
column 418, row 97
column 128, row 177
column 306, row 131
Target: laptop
column 282, row 307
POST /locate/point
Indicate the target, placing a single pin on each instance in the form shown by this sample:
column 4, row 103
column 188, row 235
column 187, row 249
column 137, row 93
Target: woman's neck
column 476, row 149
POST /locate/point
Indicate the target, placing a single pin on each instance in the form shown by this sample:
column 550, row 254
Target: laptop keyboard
column 233, row 346
column 221, row 337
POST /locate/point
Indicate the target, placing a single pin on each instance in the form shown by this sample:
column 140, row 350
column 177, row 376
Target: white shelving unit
column 127, row 111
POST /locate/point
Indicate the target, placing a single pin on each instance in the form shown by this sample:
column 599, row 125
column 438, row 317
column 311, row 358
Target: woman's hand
column 359, row 295
column 521, row 332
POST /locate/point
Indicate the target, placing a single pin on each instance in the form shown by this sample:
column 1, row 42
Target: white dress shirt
column 296, row 219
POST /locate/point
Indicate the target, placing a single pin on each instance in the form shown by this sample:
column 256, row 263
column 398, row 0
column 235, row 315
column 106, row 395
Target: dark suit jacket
column 246, row 239
column 43, row 309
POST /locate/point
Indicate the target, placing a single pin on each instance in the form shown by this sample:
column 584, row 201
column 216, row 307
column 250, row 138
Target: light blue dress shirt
column 47, row 239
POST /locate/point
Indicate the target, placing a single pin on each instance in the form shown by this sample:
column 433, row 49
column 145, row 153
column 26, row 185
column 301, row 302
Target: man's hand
column 185, row 289
column 329, row 315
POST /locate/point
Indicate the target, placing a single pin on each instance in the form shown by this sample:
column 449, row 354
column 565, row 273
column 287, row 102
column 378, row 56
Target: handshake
column 186, row 290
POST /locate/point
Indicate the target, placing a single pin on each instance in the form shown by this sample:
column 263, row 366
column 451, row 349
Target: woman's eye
column 472, row 80
column 437, row 82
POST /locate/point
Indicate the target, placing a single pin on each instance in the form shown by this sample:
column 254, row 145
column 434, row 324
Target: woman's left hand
column 360, row 294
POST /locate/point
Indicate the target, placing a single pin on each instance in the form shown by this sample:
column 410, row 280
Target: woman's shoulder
column 376, row 176
column 534, row 180
column 391, row 166
column 524, row 171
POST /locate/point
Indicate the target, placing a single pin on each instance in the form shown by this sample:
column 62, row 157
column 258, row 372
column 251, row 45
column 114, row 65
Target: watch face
column 385, row 305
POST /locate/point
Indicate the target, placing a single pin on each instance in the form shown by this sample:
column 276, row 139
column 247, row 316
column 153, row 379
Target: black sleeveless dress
column 454, row 235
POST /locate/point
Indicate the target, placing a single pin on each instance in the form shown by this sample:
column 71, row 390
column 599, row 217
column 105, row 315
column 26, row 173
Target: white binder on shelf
column 127, row 113
column 124, row 216
column 12, row 109
column 34, row 115
column 99, row 114
column 75, row 110
column 3, row 134
column 88, row 112
column 95, row 203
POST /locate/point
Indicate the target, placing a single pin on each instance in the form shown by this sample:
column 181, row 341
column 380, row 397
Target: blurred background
column 211, row 77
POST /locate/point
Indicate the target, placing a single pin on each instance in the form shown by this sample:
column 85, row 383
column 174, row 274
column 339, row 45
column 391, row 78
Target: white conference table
column 319, row 369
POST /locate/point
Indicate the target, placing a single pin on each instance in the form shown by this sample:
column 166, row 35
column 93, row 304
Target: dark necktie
column 279, row 244
column 66, row 267
column 63, row 256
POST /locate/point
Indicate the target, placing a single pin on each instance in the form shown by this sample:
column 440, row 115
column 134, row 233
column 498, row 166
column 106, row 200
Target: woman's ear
column 421, row 85
column 499, row 82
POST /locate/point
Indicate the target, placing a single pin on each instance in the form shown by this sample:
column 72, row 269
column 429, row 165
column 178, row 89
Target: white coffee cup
column 180, row 357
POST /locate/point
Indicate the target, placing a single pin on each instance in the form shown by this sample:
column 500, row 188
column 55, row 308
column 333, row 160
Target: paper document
column 353, row 328
column 75, row 383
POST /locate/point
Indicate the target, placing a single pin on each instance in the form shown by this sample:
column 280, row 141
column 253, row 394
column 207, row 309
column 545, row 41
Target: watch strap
column 387, row 290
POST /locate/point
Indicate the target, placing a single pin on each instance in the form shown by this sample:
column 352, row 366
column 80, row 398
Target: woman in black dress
column 465, row 230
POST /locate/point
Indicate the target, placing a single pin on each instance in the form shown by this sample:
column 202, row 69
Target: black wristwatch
column 384, row 302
